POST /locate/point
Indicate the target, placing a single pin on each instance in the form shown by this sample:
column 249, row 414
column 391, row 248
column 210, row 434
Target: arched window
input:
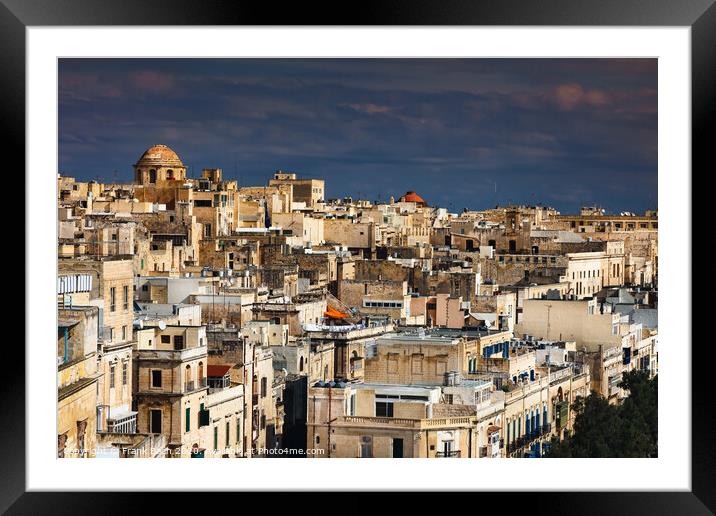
column 200, row 374
column 170, row 174
column 152, row 176
column 187, row 379
column 300, row 364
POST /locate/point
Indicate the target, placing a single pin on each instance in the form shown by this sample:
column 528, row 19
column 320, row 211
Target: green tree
column 626, row 430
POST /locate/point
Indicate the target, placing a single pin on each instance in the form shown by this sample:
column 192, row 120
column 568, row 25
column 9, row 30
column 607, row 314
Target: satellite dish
column 162, row 325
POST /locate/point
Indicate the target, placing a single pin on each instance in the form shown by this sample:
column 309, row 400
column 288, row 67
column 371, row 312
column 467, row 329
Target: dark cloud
column 558, row 131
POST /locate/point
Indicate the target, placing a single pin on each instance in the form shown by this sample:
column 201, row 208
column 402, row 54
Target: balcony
column 527, row 439
column 452, row 454
column 195, row 385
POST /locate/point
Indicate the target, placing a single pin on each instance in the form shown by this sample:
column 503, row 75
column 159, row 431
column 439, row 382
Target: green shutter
column 187, row 418
column 203, row 416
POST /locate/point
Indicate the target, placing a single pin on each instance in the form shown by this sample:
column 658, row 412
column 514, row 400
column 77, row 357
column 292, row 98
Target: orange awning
column 334, row 314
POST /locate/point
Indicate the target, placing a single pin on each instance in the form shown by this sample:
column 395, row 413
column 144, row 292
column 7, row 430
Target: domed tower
column 413, row 197
column 157, row 165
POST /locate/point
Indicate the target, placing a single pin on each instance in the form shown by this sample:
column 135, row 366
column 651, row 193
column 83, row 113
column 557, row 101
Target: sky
column 462, row 133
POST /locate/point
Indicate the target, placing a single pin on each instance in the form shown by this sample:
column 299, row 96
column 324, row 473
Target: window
column 207, row 230
column 216, row 438
column 124, row 372
column 178, row 342
column 397, row 448
column 61, row 442
column 227, row 434
column 166, row 339
column 238, row 430
column 81, row 427
column 263, row 387
column 203, row 416
column 366, row 450
column 124, row 332
column 155, row 421
column 352, row 405
column 263, row 421
column 383, row 409
column 156, row 378
column 112, row 299
column 125, row 303
column 187, row 419
column 111, row 376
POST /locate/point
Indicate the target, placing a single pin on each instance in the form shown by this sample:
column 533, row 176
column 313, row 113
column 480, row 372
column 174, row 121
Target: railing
column 194, row 385
column 515, row 445
column 527, row 439
column 367, row 420
column 562, row 373
column 448, row 454
column 453, row 421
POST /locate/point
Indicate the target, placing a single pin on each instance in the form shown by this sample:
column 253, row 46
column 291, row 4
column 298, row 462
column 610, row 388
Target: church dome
column 159, row 156
column 413, row 197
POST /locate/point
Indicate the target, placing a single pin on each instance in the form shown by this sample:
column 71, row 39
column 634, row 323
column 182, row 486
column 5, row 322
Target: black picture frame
column 700, row 15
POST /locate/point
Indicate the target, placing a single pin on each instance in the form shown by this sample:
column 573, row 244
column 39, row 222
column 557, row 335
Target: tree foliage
column 629, row 429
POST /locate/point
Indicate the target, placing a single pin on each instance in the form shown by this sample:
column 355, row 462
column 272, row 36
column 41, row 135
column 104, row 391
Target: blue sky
column 562, row 132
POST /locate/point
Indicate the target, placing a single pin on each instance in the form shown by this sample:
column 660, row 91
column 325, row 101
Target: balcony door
column 447, row 448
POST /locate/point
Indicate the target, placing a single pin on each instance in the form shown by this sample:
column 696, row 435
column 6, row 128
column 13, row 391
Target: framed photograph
column 421, row 232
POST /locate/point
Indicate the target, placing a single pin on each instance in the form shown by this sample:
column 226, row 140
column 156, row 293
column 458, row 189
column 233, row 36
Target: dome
column 159, row 156
column 413, row 197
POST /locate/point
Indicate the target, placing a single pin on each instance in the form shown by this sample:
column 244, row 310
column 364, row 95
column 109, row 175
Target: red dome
column 413, row 197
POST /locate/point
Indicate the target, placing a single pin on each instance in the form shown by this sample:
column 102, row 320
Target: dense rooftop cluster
column 202, row 318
